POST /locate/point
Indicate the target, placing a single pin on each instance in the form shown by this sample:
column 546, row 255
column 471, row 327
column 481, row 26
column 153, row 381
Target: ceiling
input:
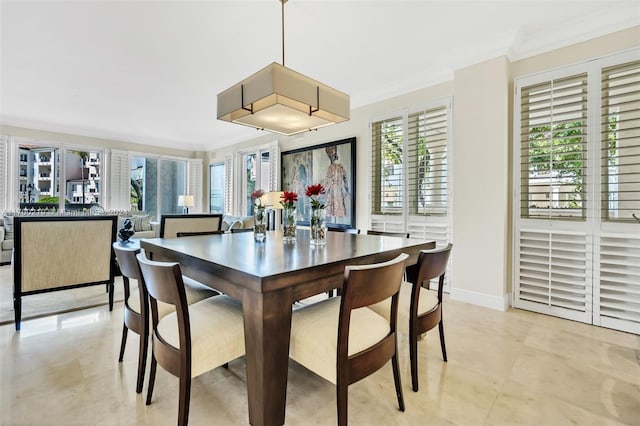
column 149, row 71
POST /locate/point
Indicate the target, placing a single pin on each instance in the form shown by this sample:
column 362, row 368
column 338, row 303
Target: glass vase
column 318, row 227
column 259, row 224
column 289, row 224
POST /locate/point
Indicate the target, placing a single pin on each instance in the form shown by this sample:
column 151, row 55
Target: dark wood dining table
column 268, row 277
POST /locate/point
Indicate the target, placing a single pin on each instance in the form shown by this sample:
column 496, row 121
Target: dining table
column 268, row 277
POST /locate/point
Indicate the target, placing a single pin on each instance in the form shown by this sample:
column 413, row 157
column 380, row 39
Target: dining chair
column 420, row 309
column 136, row 314
column 195, row 233
column 388, row 234
column 344, row 344
column 345, row 230
column 194, row 338
column 171, row 224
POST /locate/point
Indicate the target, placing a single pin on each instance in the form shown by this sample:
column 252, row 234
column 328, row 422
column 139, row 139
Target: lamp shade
column 186, row 201
column 283, row 101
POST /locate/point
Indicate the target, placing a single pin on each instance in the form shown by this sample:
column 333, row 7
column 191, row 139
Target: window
column 216, row 188
column 156, row 184
column 55, row 177
column 553, row 148
column 577, row 156
column 409, row 173
column 620, row 143
column 258, row 168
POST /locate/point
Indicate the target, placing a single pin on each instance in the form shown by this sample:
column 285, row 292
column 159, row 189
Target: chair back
column 170, row 225
column 192, row 234
column 163, row 281
column 388, row 234
column 345, row 230
column 365, row 285
column 433, row 264
column 128, row 263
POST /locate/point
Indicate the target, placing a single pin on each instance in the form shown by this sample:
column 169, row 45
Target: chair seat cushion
column 314, row 335
column 194, row 290
column 426, row 302
column 217, row 332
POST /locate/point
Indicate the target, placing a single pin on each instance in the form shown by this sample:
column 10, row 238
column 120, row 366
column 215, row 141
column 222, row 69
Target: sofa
column 236, row 222
column 6, row 239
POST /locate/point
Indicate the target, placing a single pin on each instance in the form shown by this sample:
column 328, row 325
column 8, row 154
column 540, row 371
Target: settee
column 61, row 252
column 6, row 239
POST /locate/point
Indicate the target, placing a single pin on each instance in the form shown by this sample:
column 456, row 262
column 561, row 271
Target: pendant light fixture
column 281, row 100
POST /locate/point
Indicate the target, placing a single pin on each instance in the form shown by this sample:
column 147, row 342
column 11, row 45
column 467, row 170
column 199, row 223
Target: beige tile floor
column 505, row 368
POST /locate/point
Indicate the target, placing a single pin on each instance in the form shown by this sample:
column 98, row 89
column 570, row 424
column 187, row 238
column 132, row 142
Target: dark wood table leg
column 267, row 326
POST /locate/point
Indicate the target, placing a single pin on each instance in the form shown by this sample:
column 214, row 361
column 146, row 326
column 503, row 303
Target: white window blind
column 553, row 137
column 619, row 292
column 120, row 180
column 586, row 270
column 554, row 273
column 427, row 162
column 387, row 166
column 4, row 176
column 194, row 185
column 409, row 172
column 620, row 142
column 228, row 184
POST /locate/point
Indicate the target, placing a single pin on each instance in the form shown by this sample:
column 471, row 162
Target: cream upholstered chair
column 195, row 338
column 343, row 343
column 420, row 309
column 170, row 225
column 136, row 314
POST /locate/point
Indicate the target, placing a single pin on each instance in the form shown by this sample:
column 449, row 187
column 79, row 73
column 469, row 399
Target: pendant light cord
column 283, row 2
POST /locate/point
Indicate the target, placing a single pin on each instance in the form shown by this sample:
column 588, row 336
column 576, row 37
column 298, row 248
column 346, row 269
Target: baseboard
column 499, row 303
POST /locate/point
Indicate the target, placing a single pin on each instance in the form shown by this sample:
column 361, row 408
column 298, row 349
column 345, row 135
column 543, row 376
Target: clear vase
column 259, row 224
column 318, row 227
column 289, row 224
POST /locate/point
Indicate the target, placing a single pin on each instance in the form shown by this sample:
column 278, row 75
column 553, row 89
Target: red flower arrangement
column 313, row 191
column 257, row 194
column 288, row 198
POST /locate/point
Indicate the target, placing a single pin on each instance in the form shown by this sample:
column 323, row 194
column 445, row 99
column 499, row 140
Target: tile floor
column 505, row 368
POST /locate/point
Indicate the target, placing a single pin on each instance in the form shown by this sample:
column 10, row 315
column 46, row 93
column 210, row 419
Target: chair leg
column 444, row 348
column 342, row 401
column 142, row 361
column 124, row 342
column 183, row 403
column 152, row 378
column 413, row 356
column 110, row 290
column 396, row 379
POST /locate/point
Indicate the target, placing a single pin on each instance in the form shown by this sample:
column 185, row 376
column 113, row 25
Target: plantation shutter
column 4, row 175
column 274, row 167
column 554, row 273
column 553, row 138
column 427, row 162
column 387, row 181
column 120, row 181
column 228, row 184
column 620, row 142
column 586, row 270
column 194, row 185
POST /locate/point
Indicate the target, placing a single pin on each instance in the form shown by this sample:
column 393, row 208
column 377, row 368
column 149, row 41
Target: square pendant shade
column 283, row 101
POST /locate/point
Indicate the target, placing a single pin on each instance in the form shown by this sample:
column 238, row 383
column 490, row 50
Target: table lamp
column 186, row 201
column 272, row 202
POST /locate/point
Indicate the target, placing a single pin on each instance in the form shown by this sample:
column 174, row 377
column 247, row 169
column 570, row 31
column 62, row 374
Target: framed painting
column 331, row 164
